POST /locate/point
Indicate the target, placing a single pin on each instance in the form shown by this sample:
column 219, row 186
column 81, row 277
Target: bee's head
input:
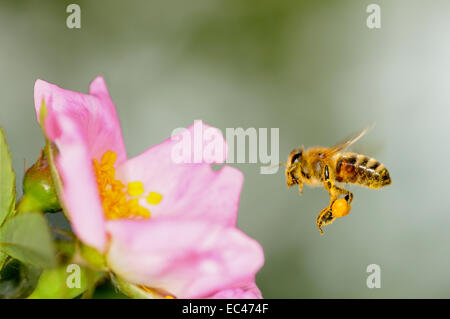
column 293, row 165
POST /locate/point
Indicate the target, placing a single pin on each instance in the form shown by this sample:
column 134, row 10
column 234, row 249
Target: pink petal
column 82, row 127
column 244, row 291
column 188, row 258
column 188, row 189
column 94, row 115
column 80, row 193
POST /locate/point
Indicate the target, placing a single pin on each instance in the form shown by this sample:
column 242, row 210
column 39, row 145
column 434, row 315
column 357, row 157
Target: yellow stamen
column 154, row 198
column 141, row 211
column 108, row 159
column 155, row 293
column 135, row 189
column 114, row 194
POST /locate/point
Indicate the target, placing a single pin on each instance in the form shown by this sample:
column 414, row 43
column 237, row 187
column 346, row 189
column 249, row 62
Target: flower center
column 119, row 200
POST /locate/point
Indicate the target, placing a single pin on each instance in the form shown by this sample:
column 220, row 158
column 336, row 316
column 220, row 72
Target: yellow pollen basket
column 120, row 201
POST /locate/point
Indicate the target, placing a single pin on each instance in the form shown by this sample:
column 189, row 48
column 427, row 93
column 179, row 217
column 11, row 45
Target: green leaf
column 18, row 280
column 62, row 283
column 27, row 237
column 7, row 180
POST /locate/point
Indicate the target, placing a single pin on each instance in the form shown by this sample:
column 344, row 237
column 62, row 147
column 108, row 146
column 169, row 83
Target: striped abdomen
column 361, row 170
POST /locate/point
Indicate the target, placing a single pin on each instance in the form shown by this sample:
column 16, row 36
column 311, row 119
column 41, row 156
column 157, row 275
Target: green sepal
column 94, row 258
column 51, row 151
column 131, row 290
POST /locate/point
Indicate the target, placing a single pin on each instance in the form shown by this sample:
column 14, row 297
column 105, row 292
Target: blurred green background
column 310, row 68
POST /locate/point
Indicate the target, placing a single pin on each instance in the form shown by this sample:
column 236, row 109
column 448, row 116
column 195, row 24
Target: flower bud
column 39, row 189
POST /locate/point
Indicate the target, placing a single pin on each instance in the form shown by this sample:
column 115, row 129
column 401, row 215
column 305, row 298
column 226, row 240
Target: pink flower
column 167, row 226
column 241, row 291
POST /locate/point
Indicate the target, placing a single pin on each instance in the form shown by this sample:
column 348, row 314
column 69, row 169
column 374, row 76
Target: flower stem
column 25, row 205
column 63, row 232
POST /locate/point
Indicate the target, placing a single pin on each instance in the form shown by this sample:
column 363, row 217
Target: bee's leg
column 334, row 190
column 300, row 188
column 325, row 217
column 300, row 183
column 338, row 191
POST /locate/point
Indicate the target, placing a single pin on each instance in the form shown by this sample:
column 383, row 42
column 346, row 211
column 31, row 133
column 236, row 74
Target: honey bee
column 321, row 166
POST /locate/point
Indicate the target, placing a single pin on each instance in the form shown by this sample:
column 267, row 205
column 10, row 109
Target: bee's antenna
column 280, row 163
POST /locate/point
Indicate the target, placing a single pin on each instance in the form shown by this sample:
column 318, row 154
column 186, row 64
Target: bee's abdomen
column 361, row 170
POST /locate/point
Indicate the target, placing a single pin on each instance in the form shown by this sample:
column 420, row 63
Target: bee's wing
column 346, row 143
